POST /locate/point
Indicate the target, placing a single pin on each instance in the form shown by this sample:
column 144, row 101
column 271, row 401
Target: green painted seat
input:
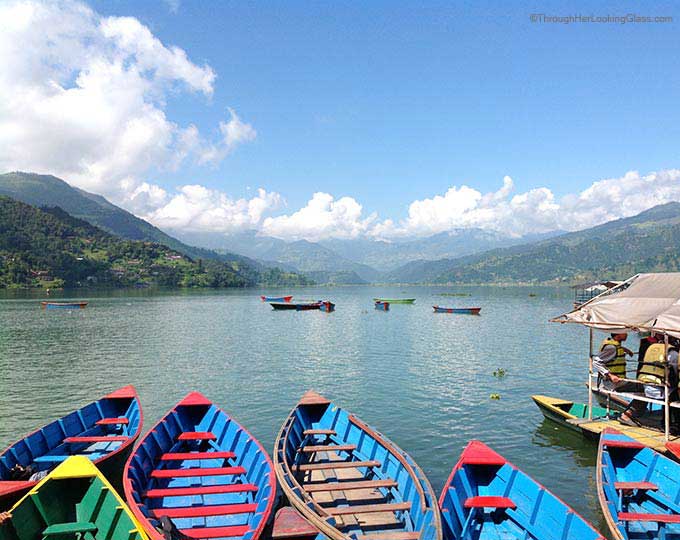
column 59, row 529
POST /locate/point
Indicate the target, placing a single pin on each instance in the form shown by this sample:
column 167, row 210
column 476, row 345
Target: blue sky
column 393, row 102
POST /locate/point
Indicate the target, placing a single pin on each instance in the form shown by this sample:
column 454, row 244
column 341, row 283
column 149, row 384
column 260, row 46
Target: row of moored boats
column 281, row 303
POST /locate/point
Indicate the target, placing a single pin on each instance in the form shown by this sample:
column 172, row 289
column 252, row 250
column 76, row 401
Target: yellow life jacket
column 652, row 370
column 618, row 365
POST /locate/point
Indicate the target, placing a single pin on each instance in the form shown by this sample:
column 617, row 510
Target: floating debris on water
column 495, row 396
column 500, row 373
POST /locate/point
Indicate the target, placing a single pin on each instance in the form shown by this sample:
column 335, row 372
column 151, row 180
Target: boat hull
column 396, row 300
column 276, row 298
column 459, row 311
column 204, row 471
column 567, row 413
column 63, row 305
column 286, row 306
column 651, row 485
column 382, row 306
column 80, row 502
column 320, row 441
column 48, row 446
column 487, row 497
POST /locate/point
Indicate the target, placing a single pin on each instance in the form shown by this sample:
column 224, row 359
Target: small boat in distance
column 462, row 311
column 488, row 497
column 382, row 306
column 327, row 306
column 637, row 488
column 297, row 306
column 103, row 431
column 396, row 300
column 63, row 305
column 277, row 298
column 199, row 468
column 74, row 501
column 350, row 481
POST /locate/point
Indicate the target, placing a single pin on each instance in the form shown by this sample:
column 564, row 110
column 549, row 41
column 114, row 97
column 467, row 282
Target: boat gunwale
column 134, row 507
column 316, row 519
column 30, row 484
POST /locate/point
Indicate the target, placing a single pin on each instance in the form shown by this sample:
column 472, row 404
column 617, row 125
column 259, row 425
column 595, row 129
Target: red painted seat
column 113, row 422
column 215, row 532
column 623, row 444
column 658, row 518
column 481, row 501
column 200, row 490
column 94, row 439
column 183, row 473
column 196, row 436
column 184, row 456
column 636, row 485
column 204, row 511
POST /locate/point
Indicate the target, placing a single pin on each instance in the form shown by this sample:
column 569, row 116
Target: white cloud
column 322, row 217
column 83, row 97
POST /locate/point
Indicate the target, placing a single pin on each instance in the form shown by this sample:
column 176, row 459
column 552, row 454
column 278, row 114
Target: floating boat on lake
column 73, row 501
column 63, row 305
column 103, row 431
column 486, row 497
column 396, row 300
column 348, row 480
column 382, row 306
column 297, row 306
column 203, row 471
column 327, row 306
column 276, row 298
column 637, row 488
column 568, row 413
column 462, row 311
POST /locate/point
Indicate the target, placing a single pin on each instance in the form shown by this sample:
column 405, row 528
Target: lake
column 423, row 379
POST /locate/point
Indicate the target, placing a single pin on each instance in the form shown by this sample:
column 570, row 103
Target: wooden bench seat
column 197, row 436
column 403, row 535
column 113, row 422
column 481, row 501
column 215, row 532
column 186, row 456
column 95, row 439
column 635, row 485
column 328, row 448
column 658, row 518
column 319, row 432
column 204, row 511
column 368, row 509
column 326, row 465
column 623, row 444
column 71, row 528
column 199, row 490
column 184, row 473
column 51, row 458
column 349, row 486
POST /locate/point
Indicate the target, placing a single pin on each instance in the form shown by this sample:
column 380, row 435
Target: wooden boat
column 382, row 306
column 462, row 311
column 488, row 498
column 350, row 481
column 276, row 298
column 327, row 306
column 568, row 413
column 203, row 471
column 396, row 300
column 74, row 501
column 63, row 305
column 104, row 431
column 298, row 306
column 637, row 488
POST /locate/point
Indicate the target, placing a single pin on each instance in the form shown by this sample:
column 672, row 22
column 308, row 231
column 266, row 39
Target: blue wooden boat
column 63, row 305
column 327, row 306
column 637, row 488
column 488, row 498
column 104, row 431
column 382, row 306
column 276, row 298
column 348, row 480
column 461, row 311
column 202, row 471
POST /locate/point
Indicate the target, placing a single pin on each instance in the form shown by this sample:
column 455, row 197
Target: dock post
column 666, row 389
column 590, row 376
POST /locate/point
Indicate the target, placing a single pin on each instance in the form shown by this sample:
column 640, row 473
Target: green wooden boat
column 395, row 300
column 74, row 501
column 568, row 413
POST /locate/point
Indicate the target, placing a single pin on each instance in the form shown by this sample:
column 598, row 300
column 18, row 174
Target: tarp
column 645, row 301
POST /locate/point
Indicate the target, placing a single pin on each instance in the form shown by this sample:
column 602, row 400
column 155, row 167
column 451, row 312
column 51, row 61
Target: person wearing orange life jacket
column 610, row 363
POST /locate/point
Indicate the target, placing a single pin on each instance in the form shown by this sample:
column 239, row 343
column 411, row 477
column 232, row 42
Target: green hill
column 648, row 242
column 50, row 248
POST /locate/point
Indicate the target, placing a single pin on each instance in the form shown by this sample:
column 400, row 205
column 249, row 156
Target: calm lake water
column 421, row 378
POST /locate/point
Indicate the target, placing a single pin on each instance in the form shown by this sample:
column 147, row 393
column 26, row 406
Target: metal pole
column 667, row 409
column 590, row 376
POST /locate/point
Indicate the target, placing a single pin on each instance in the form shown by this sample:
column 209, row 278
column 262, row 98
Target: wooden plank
column 196, row 436
column 368, row 509
column 200, row 490
column 319, row 432
column 185, row 473
column 349, row 486
column 636, row 485
column 204, row 511
column 390, row 536
column 336, row 465
column 190, row 456
column 658, row 518
column 328, row 448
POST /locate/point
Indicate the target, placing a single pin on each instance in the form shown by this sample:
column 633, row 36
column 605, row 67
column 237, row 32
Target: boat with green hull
column 73, row 501
column 395, row 300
